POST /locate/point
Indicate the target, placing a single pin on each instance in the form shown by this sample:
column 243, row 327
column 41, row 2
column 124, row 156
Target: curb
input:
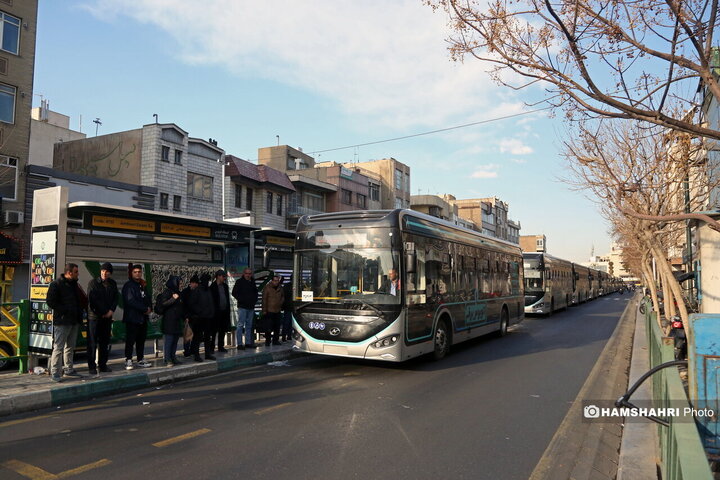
column 63, row 395
column 581, row 449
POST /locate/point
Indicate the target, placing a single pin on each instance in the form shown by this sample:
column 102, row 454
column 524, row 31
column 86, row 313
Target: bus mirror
column 410, row 261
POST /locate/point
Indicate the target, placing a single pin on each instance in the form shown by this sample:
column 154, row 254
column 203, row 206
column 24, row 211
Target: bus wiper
column 303, row 305
column 367, row 304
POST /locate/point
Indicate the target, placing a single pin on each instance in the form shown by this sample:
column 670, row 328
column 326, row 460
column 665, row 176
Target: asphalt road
column 486, row 411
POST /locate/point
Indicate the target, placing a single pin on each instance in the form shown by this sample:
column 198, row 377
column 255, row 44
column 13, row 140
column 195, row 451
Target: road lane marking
column 84, row 468
column 180, row 438
column 69, row 410
column 29, row 471
column 35, row 473
column 272, row 409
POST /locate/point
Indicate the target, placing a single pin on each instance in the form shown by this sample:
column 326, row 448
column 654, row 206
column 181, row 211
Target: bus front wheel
column 441, row 341
column 503, row 323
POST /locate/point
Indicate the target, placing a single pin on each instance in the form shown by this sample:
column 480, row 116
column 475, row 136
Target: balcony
column 300, row 210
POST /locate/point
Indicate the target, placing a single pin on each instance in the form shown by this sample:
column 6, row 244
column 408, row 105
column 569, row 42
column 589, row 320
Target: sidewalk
column 24, row 393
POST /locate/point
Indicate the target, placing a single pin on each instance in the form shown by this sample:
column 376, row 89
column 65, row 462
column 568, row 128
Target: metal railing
column 681, row 452
column 17, row 338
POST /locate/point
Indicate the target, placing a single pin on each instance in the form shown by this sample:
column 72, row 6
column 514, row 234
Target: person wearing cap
column 102, row 295
column 137, row 306
column 220, row 323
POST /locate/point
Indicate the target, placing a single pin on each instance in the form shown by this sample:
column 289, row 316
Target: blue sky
column 320, row 75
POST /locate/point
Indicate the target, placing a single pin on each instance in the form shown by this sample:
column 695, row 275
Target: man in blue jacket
column 137, row 306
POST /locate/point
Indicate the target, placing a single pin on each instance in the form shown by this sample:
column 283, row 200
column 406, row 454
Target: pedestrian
column 137, row 306
column 245, row 292
column 68, row 302
column 102, row 295
column 272, row 302
column 186, row 298
column 170, row 305
column 287, row 307
column 201, row 313
column 221, row 301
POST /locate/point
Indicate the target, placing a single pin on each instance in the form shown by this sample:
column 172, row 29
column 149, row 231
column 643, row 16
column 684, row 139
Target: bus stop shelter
column 91, row 233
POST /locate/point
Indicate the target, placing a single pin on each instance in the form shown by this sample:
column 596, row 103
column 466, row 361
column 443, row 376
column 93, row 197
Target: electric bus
column 395, row 284
column 548, row 283
column 581, row 284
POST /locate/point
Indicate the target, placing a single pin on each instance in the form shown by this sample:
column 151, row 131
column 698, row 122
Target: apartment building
column 533, row 243
column 18, row 25
column 394, row 181
column 259, row 192
column 188, row 172
column 491, row 216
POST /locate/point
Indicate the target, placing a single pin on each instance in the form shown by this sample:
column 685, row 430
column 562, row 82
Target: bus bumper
column 370, row 349
column 538, row 308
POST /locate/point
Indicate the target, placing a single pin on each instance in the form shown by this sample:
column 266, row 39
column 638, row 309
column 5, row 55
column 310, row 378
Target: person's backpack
column 159, row 307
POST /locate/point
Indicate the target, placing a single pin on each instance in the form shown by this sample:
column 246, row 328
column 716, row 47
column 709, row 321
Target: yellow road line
column 84, row 468
column 272, row 409
column 23, row 420
column 30, row 471
column 35, row 473
column 180, row 438
column 69, row 410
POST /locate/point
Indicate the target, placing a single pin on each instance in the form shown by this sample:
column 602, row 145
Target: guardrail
column 681, row 451
column 16, row 338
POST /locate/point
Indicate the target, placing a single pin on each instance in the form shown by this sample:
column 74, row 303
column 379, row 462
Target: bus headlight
column 386, row 342
column 296, row 336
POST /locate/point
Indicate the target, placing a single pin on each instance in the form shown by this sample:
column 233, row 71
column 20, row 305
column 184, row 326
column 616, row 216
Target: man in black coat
column 201, row 312
column 221, row 301
column 68, row 302
column 102, row 302
column 137, row 306
column 245, row 291
column 170, row 305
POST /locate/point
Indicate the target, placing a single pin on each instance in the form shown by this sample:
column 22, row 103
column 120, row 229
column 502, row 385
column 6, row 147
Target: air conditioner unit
column 13, row 217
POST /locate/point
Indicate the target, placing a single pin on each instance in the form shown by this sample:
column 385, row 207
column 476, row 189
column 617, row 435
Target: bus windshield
column 533, row 284
column 349, row 275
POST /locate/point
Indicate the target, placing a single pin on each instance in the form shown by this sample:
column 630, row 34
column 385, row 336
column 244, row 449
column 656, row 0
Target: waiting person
column 272, row 301
column 201, row 312
column 102, row 295
column 68, row 302
column 172, row 309
column 137, row 306
column 245, row 292
column 287, row 307
column 221, row 301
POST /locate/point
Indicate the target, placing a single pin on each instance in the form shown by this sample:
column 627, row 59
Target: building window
column 8, row 178
column 346, row 197
column 374, row 191
column 178, row 157
column 165, row 154
column 164, row 201
column 199, row 186
column 10, row 33
column 291, row 163
column 279, row 205
column 313, row 202
column 238, row 196
column 361, row 200
column 398, row 179
column 7, row 103
column 249, row 199
column 398, row 202
column 177, row 201
column 268, row 205
column 407, row 182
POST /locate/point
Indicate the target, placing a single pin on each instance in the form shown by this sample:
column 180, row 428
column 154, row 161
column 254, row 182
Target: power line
column 431, row 132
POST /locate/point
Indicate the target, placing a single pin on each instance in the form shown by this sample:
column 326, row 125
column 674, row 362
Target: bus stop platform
column 21, row 393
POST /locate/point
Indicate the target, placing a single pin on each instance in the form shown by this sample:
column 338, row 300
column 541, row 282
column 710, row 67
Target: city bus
column 581, row 284
column 396, row 284
column 548, row 283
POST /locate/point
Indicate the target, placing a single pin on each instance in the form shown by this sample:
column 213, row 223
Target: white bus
column 548, row 283
column 395, row 284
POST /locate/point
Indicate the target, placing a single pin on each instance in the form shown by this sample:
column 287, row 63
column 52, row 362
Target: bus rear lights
column 386, row 342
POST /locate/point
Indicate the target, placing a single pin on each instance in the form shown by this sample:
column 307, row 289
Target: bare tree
column 624, row 59
column 638, row 175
